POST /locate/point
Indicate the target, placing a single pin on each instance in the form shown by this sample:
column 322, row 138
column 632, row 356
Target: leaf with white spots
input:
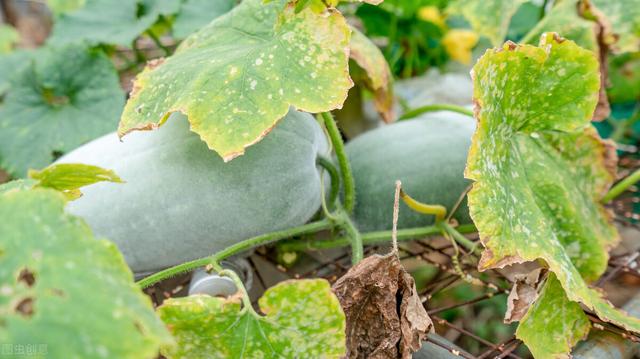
column 303, row 319
column 379, row 79
column 573, row 20
column 562, row 321
column 68, row 178
column 489, row 18
column 62, row 290
column 236, row 77
column 623, row 22
column 541, row 170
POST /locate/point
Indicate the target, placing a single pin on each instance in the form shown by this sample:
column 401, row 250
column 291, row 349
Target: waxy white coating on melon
column 428, row 155
column 181, row 201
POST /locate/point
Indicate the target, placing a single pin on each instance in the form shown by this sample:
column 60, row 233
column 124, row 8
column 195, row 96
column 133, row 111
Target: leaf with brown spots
column 63, row 288
column 385, row 316
column 239, row 75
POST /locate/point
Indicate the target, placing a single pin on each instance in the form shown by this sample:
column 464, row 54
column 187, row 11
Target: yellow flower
column 458, row 44
column 431, row 14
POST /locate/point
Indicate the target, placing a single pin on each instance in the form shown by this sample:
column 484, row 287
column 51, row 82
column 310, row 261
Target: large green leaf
column 624, row 18
column 489, row 18
column 64, row 292
column 237, row 76
column 303, row 319
column 541, row 169
column 195, row 14
column 116, row 22
column 63, row 98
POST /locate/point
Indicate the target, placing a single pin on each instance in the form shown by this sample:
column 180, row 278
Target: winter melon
column 181, row 201
column 428, row 155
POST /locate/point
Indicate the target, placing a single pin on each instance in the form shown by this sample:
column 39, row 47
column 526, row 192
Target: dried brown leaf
column 523, row 294
column 385, row 316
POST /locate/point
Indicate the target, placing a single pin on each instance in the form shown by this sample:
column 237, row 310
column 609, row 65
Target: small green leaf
column 562, row 321
column 65, row 292
column 8, row 37
column 63, row 98
column 117, row 22
column 489, row 18
column 303, row 319
column 624, row 18
column 541, row 169
column 68, row 178
column 238, row 76
column 195, row 14
column 564, row 19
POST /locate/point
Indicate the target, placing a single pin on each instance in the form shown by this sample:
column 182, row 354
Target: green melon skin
column 182, row 202
column 428, row 155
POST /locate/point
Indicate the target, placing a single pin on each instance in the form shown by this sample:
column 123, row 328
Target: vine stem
column 343, row 162
column 159, row 43
column 622, row 186
column 246, row 301
column 372, row 238
column 432, row 108
column 235, row 249
column 334, row 175
column 355, row 238
column 458, row 237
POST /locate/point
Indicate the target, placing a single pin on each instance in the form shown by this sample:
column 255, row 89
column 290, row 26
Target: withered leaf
column 523, row 294
column 385, row 317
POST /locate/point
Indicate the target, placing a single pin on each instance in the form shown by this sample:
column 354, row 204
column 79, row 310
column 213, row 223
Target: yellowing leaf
column 303, row 319
column 458, row 43
column 369, row 57
column 236, row 77
column 541, row 169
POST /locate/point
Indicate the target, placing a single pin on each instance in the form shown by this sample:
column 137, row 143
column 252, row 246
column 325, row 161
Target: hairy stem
column 343, row 162
column 235, row 249
column 355, row 238
column 372, row 238
column 622, row 186
column 432, row 108
column 458, row 237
